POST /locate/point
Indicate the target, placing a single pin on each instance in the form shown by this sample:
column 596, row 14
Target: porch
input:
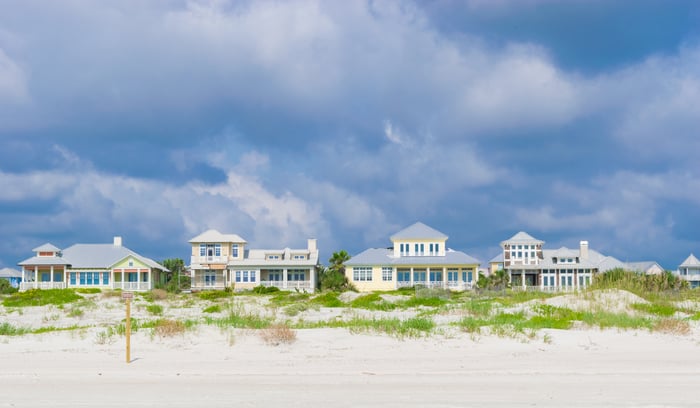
column 301, row 285
column 457, row 279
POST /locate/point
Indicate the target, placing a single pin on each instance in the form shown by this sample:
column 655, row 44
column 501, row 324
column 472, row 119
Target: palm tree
column 337, row 261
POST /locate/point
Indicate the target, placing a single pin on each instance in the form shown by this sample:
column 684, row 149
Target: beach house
column 690, row 271
column 531, row 266
column 13, row 276
column 418, row 256
column 104, row 266
column 221, row 260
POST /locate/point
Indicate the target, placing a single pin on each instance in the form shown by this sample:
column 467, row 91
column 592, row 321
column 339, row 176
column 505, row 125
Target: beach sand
column 334, row 367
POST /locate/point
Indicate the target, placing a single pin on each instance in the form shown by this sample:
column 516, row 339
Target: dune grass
column 41, row 297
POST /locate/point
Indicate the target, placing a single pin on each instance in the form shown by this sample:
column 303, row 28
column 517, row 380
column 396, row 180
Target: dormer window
column 131, row 262
column 273, row 257
column 299, row 257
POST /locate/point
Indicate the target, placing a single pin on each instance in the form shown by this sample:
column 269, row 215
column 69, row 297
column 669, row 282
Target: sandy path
column 329, row 367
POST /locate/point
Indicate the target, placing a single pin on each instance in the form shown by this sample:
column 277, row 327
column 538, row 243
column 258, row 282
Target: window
column 96, row 278
column 105, row 278
column 437, row 249
column 238, row 276
column 532, row 254
column 387, row 273
column 245, row 276
column 209, row 278
column 72, row 278
column 422, row 249
column 217, row 250
column 234, row 250
column 403, row 276
column 273, row 257
column 452, row 275
column 202, row 250
column 82, row 278
column 299, row 257
column 436, row 276
column 252, row 276
column 470, row 276
column 415, row 249
column 362, row 273
column 296, row 275
column 419, row 276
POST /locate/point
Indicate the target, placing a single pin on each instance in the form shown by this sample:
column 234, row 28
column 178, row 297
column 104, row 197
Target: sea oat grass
column 277, row 334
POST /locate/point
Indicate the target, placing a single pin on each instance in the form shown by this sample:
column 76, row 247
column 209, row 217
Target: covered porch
column 208, row 279
column 43, row 277
column 288, row 278
column 453, row 278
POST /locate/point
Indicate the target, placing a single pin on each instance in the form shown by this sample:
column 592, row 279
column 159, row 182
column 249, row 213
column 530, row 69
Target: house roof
column 642, row 266
column 258, row 257
column 522, row 237
column 44, row 260
column 418, row 231
column 385, row 256
column 47, row 247
column 690, row 261
column 100, row 256
column 213, row 236
column 497, row 258
column 10, row 273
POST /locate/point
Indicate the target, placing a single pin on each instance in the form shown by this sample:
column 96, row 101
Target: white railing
column 131, row 285
column 207, row 286
column 289, row 284
column 198, row 260
column 41, row 285
column 530, row 288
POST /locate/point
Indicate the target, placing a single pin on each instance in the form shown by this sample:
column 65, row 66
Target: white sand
column 334, row 368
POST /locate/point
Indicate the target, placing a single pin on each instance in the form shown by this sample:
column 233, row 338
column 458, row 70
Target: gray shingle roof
column 47, row 247
column 385, row 256
column 10, row 273
column 418, row 231
column 690, row 261
column 44, row 260
column 497, row 258
column 100, row 256
column 522, row 237
column 215, row 236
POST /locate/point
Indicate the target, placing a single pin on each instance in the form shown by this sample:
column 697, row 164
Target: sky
column 347, row 121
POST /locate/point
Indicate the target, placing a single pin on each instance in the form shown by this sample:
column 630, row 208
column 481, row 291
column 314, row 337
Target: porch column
column 36, row 276
column 23, row 279
column 522, row 277
column 428, row 283
column 541, row 276
column 51, row 276
column 123, row 278
column 150, row 281
column 111, row 278
column 284, row 278
column 312, row 279
column 444, row 277
column 411, row 277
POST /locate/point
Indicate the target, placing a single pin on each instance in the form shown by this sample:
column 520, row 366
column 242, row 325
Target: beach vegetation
column 277, row 334
column 155, row 309
column 41, row 297
column 212, row 309
column 214, row 294
column 6, row 288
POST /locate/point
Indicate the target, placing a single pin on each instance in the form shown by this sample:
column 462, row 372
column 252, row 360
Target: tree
column 333, row 277
column 177, row 280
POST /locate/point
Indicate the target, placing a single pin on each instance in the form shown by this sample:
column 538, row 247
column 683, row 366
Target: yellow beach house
column 103, row 266
column 221, row 260
column 418, row 256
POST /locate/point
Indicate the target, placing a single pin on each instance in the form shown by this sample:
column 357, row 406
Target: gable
column 130, row 262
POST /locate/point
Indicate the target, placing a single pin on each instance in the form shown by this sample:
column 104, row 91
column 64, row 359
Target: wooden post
column 127, row 332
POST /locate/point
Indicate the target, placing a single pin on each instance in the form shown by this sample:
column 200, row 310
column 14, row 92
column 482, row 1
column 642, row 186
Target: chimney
column 312, row 245
column 584, row 250
column 118, row 241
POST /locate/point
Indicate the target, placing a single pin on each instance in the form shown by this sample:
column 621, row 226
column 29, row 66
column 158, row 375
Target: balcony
column 201, row 260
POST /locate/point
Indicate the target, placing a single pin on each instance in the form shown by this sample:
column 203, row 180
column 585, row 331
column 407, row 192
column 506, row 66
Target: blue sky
column 347, row 121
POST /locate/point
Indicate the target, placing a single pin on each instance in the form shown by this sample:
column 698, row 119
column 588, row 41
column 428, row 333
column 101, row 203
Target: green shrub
column 212, row 309
column 6, row 329
column 262, row 290
column 214, row 294
column 41, row 297
column 88, row 290
column 6, row 288
column 372, row 301
column 328, row 299
column 657, row 309
column 155, row 309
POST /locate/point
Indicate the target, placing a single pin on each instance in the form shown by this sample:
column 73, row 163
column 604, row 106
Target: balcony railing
column 199, row 260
